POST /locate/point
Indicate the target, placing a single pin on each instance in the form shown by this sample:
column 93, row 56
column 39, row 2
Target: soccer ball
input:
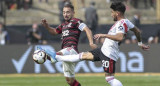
column 39, row 56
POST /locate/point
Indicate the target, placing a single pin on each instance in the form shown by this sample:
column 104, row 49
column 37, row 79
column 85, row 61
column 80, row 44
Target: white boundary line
column 78, row 74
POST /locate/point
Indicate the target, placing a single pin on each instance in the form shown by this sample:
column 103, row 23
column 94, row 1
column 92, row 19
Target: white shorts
column 68, row 67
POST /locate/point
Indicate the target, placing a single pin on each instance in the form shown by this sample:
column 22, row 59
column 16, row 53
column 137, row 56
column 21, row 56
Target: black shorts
column 107, row 63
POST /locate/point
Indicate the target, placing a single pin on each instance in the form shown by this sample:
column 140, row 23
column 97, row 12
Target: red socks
column 76, row 83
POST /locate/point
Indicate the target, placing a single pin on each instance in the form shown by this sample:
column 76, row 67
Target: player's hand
column 93, row 46
column 44, row 23
column 97, row 36
column 145, row 47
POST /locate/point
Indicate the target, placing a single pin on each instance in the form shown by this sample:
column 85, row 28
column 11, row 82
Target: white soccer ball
column 39, row 56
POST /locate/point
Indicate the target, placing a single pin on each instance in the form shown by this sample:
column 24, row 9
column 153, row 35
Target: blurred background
column 18, row 18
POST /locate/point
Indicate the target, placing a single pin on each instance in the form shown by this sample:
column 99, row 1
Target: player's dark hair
column 70, row 6
column 118, row 6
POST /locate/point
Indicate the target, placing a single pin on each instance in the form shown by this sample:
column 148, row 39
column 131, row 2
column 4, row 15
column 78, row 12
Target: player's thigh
column 87, row 56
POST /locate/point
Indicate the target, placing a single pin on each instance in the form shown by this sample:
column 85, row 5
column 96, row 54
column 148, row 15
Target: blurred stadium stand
column 18, row 21
column 50, row 11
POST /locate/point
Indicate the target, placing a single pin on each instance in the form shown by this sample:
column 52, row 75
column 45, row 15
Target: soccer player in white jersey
column 108, row 53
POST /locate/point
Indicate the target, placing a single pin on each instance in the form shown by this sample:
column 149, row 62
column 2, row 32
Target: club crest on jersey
column 120, row 28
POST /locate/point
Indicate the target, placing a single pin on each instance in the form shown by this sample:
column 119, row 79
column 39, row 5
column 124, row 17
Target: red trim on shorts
column 111, row 66
column 57, row 53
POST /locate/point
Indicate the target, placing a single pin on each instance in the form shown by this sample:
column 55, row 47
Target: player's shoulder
column 76, row 20
column 124, row 21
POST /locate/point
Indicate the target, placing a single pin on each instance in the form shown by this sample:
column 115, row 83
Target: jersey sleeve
column 59, row 29
column 124, row 27
column 81, row 25
column 129, row 24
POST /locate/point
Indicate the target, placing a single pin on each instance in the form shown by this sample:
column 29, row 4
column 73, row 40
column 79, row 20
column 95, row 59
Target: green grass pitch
column 93, row 80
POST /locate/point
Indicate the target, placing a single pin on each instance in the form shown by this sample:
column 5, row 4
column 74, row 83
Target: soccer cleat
column 51, row 55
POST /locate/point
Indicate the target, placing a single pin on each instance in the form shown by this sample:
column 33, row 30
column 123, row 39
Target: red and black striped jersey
column 71, row 31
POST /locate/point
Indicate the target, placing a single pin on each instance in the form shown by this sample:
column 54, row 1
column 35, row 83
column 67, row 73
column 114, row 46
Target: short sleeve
column 59, row 29
column 125, row 27
column 129, row 24
column 81, row 25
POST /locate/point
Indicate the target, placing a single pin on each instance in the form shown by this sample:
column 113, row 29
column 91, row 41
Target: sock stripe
column 76, row 83
column 109, row 78
column 80, row 56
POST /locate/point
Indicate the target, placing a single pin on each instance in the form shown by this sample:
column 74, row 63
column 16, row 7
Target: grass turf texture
column 90, row 80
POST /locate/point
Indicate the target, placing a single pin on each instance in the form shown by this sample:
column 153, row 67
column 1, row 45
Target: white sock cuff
column 80, row 55
column 109, row 78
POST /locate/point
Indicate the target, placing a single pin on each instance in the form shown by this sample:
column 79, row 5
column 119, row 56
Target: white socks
column 69, row 58
column 112, row 81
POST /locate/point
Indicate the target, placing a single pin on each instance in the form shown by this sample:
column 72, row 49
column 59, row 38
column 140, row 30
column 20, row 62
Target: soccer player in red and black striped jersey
column 70, row 30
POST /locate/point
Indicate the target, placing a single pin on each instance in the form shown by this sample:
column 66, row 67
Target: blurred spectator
column 128, row 37
column 83, row 3
column 34, row 35
column 157, row 37
column 134, row 3
column 11, row 4
column 133, row 39
column 137, row 23
column 19, row 4
column 1, row 8
column 27, row 4
column 4, row 37
column 61, row 4
column 91, row 17
column 145, row 4
column 136, row 20
column 151, row 40
column 150, row 2
column 45, row 1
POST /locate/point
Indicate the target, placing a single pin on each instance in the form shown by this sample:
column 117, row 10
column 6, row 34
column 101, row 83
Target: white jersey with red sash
column 110, row 47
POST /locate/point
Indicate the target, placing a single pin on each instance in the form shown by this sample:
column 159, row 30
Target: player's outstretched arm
column 137, row 32
column 90, row 37
column 50, row 29
column 117, row 37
